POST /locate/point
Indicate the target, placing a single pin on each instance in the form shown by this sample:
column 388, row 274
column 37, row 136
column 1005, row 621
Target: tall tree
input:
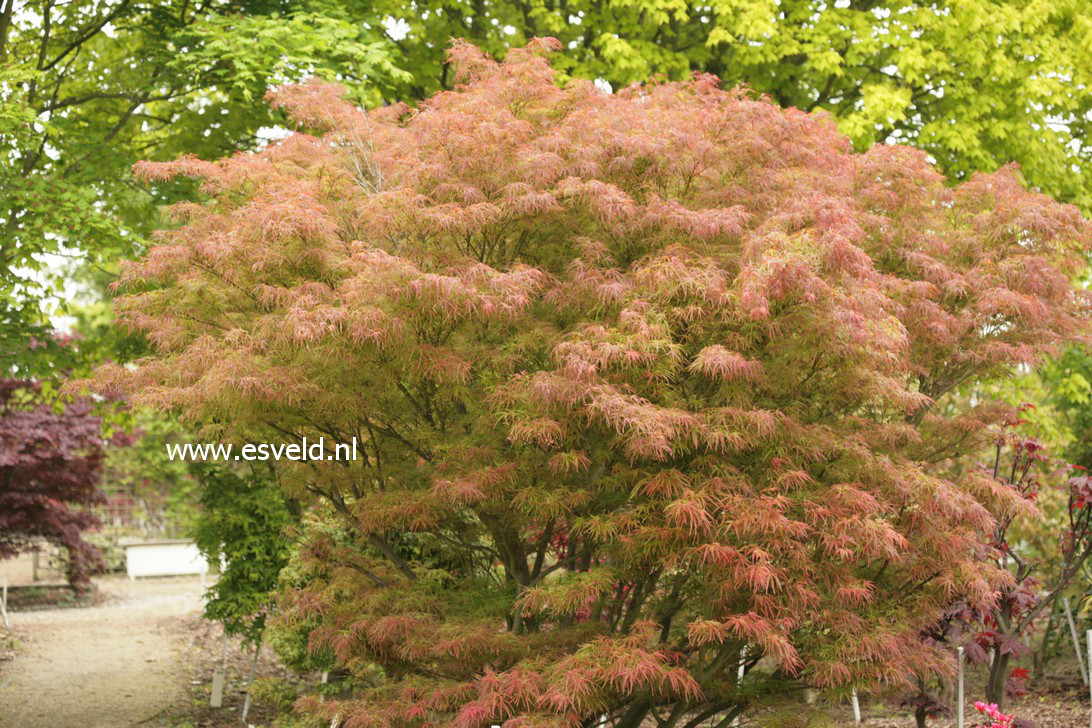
column 647, row 385
column 91, row 87
column 1069, row 382
column 50, row 468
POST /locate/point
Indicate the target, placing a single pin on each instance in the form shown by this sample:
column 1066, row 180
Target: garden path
column 114, row 665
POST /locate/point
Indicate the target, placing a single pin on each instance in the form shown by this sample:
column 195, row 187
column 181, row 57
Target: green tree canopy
column 243, row 527
column 88, row 88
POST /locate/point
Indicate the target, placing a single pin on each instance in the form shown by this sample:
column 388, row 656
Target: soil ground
column 139, row 657
column 1053, row 709
column 118, row 663
column 1058, row 700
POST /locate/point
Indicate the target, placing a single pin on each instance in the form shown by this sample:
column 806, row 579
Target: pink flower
column 996, row 717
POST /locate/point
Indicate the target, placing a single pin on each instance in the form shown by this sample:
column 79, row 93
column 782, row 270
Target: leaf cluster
column 645, row 384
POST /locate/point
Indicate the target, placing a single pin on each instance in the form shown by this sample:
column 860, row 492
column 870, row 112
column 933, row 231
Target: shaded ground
column 119, row 663
column 205, row 645
column 1060, row 700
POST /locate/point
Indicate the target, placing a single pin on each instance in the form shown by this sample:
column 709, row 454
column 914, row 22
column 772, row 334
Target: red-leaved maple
column 50, row 469
column 1022, row 463
column 647, row 385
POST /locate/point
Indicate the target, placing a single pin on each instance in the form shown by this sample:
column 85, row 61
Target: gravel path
column 113, row 665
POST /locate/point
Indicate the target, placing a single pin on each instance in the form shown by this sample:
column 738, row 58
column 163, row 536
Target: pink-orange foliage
column 642, row 380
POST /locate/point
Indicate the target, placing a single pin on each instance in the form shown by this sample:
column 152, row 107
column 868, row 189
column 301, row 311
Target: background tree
column 1032, row 590
column 91, row 87
column 1068, row 380
column 656, row 376
column 50, row 467
column 148, row 494
column 242, row 525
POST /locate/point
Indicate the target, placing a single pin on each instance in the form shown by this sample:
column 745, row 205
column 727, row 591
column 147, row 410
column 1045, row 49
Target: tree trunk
column 919, row 716
column 947, row 689
column 634, row 715
column 250, row 680
column 1042, row 652
column 995, row 686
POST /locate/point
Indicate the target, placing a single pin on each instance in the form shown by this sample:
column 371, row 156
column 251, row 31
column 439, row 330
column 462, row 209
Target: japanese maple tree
column 1022, row 464
column 50, row 470
column 648, row 385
